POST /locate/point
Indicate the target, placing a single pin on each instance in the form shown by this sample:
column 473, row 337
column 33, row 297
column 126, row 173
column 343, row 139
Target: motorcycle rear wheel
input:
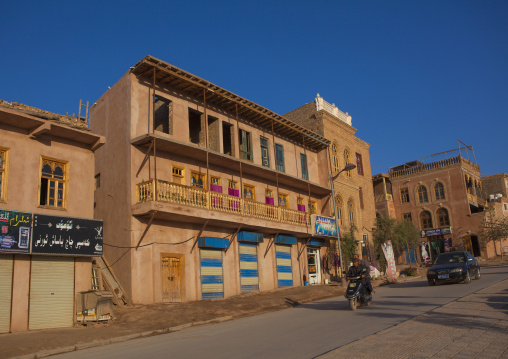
column 353, row 304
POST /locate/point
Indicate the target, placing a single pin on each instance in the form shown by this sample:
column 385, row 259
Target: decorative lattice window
column 53, row 183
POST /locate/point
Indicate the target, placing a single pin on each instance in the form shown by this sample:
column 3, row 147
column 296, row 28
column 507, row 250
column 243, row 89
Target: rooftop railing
column 431, row 166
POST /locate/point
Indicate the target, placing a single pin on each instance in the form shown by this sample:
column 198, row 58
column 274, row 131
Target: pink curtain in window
column 234, row 192
column 269, row 200
column 301, row 207
column 215, row 188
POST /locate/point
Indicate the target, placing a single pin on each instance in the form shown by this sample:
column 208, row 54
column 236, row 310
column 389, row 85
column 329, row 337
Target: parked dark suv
column 453, row 267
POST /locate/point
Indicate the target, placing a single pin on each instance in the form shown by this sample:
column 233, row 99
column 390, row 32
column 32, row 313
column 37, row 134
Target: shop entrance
column 314, row 266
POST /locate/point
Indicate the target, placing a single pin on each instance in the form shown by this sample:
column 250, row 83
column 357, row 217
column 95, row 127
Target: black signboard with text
column 15, row 228
column 66, row 236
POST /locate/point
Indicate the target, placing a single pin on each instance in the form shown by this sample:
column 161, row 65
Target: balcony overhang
column 199, row 153
column 36, row 127
column 163, row 73
column 188, row 214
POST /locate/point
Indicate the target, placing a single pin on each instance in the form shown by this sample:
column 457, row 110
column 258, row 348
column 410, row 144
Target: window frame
column 407, row 217
column 279, row 156
column 428, row 220
column 338, row 205
column 347, row 160
column 442, row 195
column 252, row 188
column 53, row 162
column 312, row 207
column 404, row 197
column 286, row 197
column 443, row 217
column 265, row 151
column 245, row 139
column 351, row 211
column 201, row 176
column 178, row 175
column 4, row 173
column 359, row 164
column 420, row 191
column 304, row 166
column 335, row 158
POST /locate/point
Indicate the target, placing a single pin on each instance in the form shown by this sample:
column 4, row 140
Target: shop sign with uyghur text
column 324, row 226
column 436, row 231
column 15, row 231
column 67, row 236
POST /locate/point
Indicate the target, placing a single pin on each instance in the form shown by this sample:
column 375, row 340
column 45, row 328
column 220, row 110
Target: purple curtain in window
column 215, row 188
column 269, row 200
column 301, row 207
column 234, row 192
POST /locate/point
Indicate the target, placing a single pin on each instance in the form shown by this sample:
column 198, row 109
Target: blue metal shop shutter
column 249, row 276
column 212, row 278
column 284, row 268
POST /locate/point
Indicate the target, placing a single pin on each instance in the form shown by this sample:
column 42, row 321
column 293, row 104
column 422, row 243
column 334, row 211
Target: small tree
column 494, row 229
column 348, row 245
column 407, row 236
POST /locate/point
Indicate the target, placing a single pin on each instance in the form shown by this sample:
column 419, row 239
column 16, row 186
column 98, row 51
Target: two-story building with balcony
column 441, row 195
column 46, row 200
column 205, row 194
column 354, row 195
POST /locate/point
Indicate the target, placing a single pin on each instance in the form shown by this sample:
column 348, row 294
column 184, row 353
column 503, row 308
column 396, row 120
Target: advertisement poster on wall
column 15, row 231
column 323, row 226
column 391, row 271
column 66, row 236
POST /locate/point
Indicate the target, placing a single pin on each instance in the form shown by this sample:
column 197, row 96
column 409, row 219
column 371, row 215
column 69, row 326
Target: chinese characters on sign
column 15, row 234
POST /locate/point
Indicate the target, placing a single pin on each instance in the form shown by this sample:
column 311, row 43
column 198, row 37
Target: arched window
column 347, row 160
column 426, row 220
column 422, row 194
column 338, row 203
column 52, row 184
column 351, row 212
column 442, row 215
column 439, row 191
column 335, row 159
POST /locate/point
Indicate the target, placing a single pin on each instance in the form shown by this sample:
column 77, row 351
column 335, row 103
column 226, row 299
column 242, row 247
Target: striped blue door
column 249, row 277
column 284, row 268
column 212, row 279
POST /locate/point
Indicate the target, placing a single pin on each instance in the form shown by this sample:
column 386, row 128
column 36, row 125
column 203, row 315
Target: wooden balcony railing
column 197, row 197
column 472, row 198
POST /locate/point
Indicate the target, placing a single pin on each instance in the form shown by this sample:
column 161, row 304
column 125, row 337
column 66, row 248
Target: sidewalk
column 475, row 326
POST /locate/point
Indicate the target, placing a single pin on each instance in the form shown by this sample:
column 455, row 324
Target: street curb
column 124, row 338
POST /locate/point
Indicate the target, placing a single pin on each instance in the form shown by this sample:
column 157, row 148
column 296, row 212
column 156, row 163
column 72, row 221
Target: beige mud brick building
column 205, row 194
column 495, row 192
column 441, row 195
column 46, row 168
column 353, row 190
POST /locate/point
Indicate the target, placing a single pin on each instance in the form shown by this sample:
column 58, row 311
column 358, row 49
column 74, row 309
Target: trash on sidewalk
column 94, row 306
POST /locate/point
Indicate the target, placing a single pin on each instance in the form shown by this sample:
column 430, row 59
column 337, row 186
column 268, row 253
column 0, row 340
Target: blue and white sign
column 436, row 231
column 324, row 226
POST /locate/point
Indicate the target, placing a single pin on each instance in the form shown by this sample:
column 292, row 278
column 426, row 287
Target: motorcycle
column 357, row 293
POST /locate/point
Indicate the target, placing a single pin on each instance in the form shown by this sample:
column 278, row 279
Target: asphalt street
column 305, row 331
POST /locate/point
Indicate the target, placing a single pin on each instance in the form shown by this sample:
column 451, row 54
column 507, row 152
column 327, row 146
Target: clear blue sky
column 416, row 76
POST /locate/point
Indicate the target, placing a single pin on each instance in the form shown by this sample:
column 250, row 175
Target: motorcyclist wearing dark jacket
column 357, row 269
column 366, row 264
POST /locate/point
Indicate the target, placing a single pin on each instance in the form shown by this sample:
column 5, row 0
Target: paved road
column 305, row 331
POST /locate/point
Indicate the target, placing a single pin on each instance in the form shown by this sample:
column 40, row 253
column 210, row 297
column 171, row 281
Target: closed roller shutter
column 284, row 268
column 51, row 292
column 249, row 277
column 6, row 264
column 212, row 283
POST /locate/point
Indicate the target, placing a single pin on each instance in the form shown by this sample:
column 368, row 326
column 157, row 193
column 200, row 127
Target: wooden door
column 171, row 272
